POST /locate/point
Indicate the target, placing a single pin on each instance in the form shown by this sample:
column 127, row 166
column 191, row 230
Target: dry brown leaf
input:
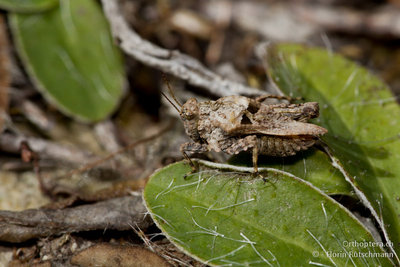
column 117, row 255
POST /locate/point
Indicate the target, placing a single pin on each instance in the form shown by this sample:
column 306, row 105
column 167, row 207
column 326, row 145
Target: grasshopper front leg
column 255, row 157
column 192, row 148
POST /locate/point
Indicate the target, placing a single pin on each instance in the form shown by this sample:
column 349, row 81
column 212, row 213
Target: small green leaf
column 70, row 56
column 311, row 165
column 27, row 6
column 235, row 218
column 361, row 115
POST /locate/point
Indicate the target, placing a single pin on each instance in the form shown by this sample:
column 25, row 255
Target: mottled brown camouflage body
column 236, row 123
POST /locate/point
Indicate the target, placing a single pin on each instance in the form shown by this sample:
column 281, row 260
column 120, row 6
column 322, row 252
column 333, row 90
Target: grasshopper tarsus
column 191, row 163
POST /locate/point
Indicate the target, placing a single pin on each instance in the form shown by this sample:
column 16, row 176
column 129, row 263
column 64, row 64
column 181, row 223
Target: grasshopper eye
column 190, row 109
column 187, row 114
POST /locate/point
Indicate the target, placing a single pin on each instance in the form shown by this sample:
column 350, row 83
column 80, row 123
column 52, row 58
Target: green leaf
column 362, row 116
column 236, row 218
column 312, row 165
column 27, row 6
column 70, row 56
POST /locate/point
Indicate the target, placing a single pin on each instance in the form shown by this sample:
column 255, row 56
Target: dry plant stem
column 229, row 167
column 28, row 155
column 172, row 62
column 46, row 149
column 106, row 134
column 115, row 214
column 95, row 163
column 36, row 115
column 172, row 259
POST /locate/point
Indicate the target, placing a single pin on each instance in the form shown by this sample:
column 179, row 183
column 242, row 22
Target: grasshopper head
column 190, row 110
column 190, row 116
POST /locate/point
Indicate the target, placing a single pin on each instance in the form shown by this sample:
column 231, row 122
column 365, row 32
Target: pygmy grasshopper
column 236, row 123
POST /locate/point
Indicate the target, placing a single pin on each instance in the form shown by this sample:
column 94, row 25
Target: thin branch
column 114, row 214
column 46, row 149
column 172, row 62
column 99, row 161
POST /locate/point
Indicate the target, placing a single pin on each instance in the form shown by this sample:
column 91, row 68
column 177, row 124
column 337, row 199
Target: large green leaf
column 70, row 56
column 363, row 119
column 233, row 218
column 312, row 165
column 27, row 5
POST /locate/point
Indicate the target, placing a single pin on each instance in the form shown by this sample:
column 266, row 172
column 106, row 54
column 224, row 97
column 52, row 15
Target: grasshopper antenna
column 169, row 100
column 170, row 91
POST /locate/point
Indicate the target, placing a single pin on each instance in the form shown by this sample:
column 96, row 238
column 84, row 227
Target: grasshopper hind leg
column 256, row 152
column 249, row 143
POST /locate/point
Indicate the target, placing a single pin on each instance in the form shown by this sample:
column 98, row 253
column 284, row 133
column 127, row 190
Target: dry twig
column 115, row 214
column 46, row 149
column 172, row 62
